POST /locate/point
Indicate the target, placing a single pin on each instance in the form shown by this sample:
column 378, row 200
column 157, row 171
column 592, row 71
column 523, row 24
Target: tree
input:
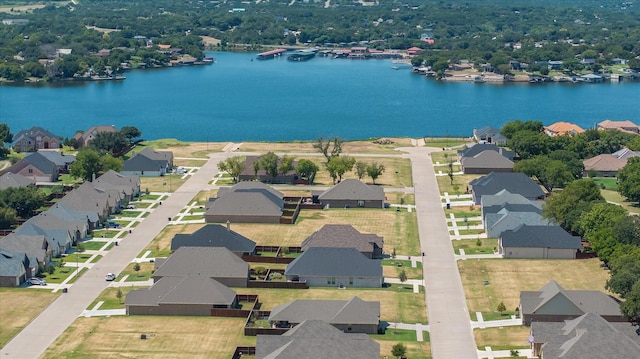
column 119, row 295
column 625, row 273
column 565, row 207
column 512, row 127
column 86, row 165
column 136, row 267
column 234, row 166
column 629, row 180
column 631, row 306
column 361, row 169
column 114, row 142
column 375, row 170
column 269, row 163
column 398, row 350
column 329, row 147
column 286, row 164
column 627, row 230
column 501, row 308
column 338, row 166
column 602, row 215
column 8, row 217
column 402, row 276
column 307, row 169
column 130, row 132
column 260, row 271
column 23, row 200
column 450, row 171
column 5, row 134
column 108, row 162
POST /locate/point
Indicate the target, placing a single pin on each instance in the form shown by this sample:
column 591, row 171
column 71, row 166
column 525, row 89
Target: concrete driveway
column 450, row 330
column 36, row 337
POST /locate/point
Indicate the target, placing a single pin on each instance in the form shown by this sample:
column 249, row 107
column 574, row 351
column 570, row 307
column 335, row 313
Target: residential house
column 61, row 160
column 624, row 126
column 604, row 165
column 489, row 134
column 128, row 185
column 88, row 199
column 35, row 247
column 351, row 316
column 59, row 241
column 218, row 263
column 505, row 220
column 541, row 242
column 592, row 78
column 13, row 268
column 351, row 193
column 250, row 174
column 478, row 148
column 215, row 235
column 245, row 202
column 345, row 236
column 64, row 212
column 552, row 303
column 412, row 51
column 587, row 336
column 181, row 295
column 330, row 267
column 148, row 163
column 514, row 182
column 83, row 138
column 34, row 139
column 625, row 154
column 512, row 201
column 14, row 180
column 316, row 339
column 36, row 167
column 486, row 162
column 562, row 128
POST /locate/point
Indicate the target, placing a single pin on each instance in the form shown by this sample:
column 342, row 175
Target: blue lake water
column 237, row 99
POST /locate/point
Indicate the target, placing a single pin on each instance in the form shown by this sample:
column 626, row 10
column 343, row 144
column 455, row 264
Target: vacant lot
column 399, row 229
column 461, row 181
column 184, row 149
column 507, row 277
column 166, row 183
column 395, row 305
column 18, row 306
column 365, row 146
column 167, row 337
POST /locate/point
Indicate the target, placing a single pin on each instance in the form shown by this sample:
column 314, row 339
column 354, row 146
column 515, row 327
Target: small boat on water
column 395, row 67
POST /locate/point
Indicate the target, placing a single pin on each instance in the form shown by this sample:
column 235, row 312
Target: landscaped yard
column 415, row 349
column 444, row 182
column 395, row 306
column 507, row 277
column 167, row 337
column 441, row 142
column 143, row 274
column 470, row 246
column 18, row 306
column 110, row 297
column 93, row 245
column 399, row 229
column 391, row 268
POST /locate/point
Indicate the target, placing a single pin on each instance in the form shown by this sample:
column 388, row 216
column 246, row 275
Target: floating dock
column 271, row 54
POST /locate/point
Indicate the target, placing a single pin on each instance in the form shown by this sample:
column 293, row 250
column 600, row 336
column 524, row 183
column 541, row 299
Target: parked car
column 37, row 281
column 131, row 206
column 110, row 277
column 113, row 224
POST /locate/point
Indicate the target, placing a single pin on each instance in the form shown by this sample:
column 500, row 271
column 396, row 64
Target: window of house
column 360, row 203
column 30, row 170
column 350, row 280
column 331, row 280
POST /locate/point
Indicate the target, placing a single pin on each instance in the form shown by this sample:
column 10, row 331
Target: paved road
column 449, row 322
column 36, row 337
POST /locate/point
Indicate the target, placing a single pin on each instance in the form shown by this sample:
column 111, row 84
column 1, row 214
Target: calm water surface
column 237, row 99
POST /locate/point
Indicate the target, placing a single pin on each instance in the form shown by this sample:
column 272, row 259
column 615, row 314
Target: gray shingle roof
column 487, row 159
column 247, row 198
column 482, row 147
column 143, row 163
column 214, row 262
column 351, row 311
column 214, row 235
column 352, row 189
column 514, row 182
column 183, row 290
column 35, row 159
column 540, row 237
column 334, row 262
column 342, row 235
column 13, row 180
column 588, row 336
column 502, row 197
column 32, row 132
column 316, row 339
column 505, row 220
column 58, row 158
column 32, row 245
column 12, row 264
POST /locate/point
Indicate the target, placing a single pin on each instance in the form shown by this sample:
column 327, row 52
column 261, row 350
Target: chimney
column 228, row 225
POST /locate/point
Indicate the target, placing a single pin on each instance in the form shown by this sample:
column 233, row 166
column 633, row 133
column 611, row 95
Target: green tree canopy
column 130, row 133
column 361, row 169
column 329, row 147
column 114, row 142
column 86, row 165
column 566, row 206
column 629, row 180
column 5, row 134
column 8, row 217
column 234, row 166
column 375, row 170
column 24, row 200
column 338, row 166
column 631, row 306
column 307, row 169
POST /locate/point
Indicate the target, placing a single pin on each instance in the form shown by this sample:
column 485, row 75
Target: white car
column 110, row 277
column 37, row 281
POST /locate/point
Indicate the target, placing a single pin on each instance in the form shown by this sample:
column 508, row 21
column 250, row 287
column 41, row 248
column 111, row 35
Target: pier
column 271, row 54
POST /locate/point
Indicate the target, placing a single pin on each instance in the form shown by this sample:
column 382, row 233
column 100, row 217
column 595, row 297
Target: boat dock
column 271, row 54
column 302, row 55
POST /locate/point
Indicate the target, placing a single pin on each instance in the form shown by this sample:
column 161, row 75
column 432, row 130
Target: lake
column 241, row 99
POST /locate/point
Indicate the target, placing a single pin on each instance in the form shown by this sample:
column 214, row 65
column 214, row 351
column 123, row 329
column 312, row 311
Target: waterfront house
column 36, row 167
column 181, row 295
column 335, row 267
column 215, row 235
column 624, row 126
column 489, row 134
column 351, row 316
column 587, row 336
column 14, row 180
column 34, row 139
column 218, row 263
column 562, row 128
column 148, row 163
column 514, row 182
column 245, row 202
column 538, row 241
column 351, row 193
column 478, row 148
column 552, row 303
column 83, row 138
column 344, row 235
column 604, row 165
column 412, row 51
column 316, row 339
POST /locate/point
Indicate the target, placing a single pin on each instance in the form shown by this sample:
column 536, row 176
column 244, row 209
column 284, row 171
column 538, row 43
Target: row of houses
column 37, row 138
column 52, row 233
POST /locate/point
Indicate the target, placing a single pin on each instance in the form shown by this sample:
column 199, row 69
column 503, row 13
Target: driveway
column 36, row 337
column 450, row 330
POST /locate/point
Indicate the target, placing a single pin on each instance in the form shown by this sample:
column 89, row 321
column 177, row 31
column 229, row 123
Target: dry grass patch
column 166, row 183
column 502, row 337
column 613, row 196
column 161, row 245
column 167, row 337
column 444, row 182
column 364, row 146
column 184, row 149
column 18, row 306
column 395, row 306
column 415, row 350
column 399, row 229
column 507, row 277
column 189, row 162
column 444, row 157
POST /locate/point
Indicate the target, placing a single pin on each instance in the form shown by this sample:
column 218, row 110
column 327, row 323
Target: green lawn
column 470, row 246
column 609, row 183
column 615, row 197
column 93, row 245
column 441, row 142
